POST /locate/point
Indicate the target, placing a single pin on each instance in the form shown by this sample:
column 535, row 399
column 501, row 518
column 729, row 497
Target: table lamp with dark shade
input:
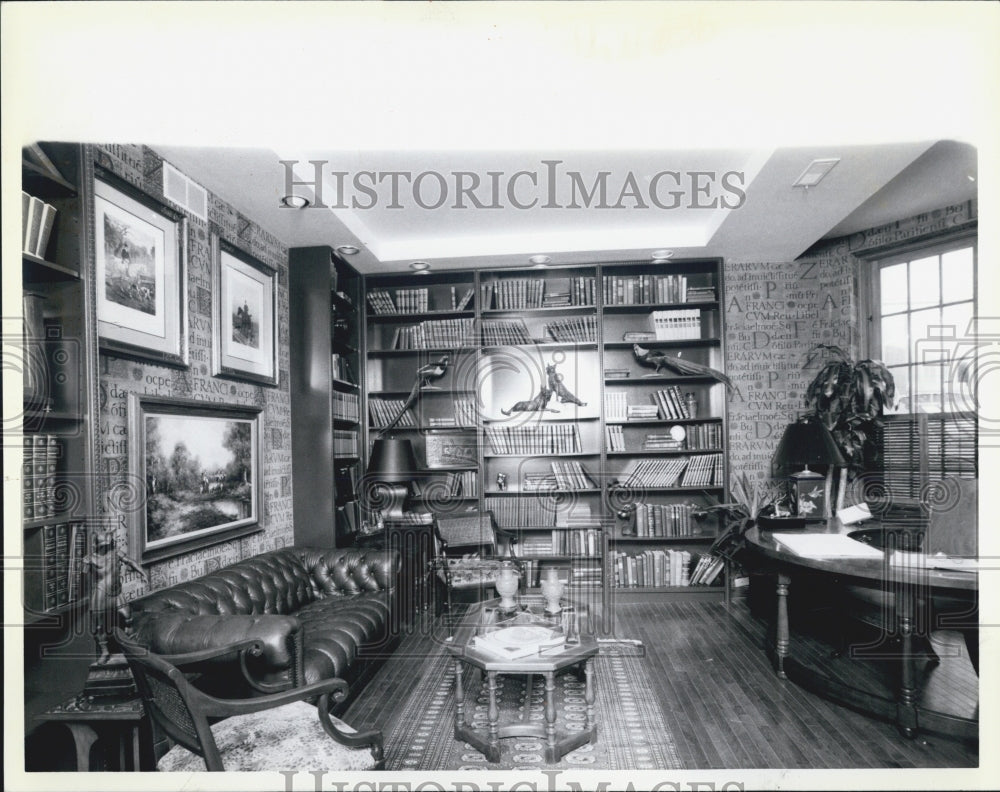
column 808, row 443
column 392, row 466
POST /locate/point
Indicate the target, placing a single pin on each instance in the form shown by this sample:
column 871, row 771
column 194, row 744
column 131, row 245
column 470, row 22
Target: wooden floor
column 723, row 701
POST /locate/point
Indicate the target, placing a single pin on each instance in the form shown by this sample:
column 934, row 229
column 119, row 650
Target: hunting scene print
column 199, row 474
column 130, row 268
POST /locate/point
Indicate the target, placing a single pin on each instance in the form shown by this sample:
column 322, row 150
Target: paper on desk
column 818, row 545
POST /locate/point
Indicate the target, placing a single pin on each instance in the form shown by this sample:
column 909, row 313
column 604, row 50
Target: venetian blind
column 923, row 448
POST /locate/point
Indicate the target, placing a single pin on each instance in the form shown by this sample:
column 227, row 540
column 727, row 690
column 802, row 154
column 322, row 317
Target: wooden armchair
column 469, row 551
column 273, row 732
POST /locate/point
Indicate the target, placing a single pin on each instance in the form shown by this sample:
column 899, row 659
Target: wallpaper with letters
column 777, row 311
column 118, row 377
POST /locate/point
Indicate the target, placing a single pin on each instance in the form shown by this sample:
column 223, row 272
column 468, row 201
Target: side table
column 89, row 721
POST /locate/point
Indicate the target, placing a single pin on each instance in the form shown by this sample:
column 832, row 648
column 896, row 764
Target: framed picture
column 139, row 257
column 451, row 450
column 201, row 464
column 244, row 309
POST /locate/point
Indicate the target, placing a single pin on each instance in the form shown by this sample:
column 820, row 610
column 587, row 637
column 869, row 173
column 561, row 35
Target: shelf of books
column 551, row 395
column 59, row 380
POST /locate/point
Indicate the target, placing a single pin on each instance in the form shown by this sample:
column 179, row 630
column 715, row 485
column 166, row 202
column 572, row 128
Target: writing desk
column 909, row 587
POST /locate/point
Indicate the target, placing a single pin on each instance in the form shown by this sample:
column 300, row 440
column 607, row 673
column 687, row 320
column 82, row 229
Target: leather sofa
column 314, row 613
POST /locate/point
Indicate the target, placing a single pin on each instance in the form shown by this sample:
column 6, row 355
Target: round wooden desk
column 908, row 586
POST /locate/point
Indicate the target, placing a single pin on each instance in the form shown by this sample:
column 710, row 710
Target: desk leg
column 459, row 698
column 781, row 627
column 84, row 738
column 493, row 716
column 590, row 695
column 906, row 709
column 552, row 752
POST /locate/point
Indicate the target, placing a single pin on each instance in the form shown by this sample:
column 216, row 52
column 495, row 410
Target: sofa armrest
column 352, row 570
column 174, row 633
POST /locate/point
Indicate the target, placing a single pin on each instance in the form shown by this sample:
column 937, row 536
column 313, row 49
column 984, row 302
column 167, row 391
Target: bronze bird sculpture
column 425, row 376
column 661, row 361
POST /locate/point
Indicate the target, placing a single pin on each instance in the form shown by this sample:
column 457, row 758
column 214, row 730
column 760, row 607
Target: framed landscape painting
column 201, row 465
column 139, row 260
column 245, row 304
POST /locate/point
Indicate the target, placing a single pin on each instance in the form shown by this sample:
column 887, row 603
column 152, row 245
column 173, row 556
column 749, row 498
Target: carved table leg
column 493, row 715
column 781, row 628
column 84, row 738
column 906, row 709
column 459, row 699
column 590, row 695
column 552, row 752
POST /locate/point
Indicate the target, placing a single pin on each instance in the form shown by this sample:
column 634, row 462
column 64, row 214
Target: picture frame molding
column 219, row 367
column 178, row 355
column 139, row 407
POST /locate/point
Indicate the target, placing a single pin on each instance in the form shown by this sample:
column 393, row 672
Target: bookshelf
column 326, row 395
column 60, row 385
column 552, row 422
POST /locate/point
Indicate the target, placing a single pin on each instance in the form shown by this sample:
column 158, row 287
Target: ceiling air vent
column 185, row 193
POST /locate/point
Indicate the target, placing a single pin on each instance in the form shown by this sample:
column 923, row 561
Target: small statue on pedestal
column 102, row 570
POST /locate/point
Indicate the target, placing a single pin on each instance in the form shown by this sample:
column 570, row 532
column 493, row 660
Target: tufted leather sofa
column 319, row 613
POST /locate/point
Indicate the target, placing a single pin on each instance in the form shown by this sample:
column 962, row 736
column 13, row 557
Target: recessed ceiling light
column 420, row 266
column 347, row 250
column 815, row 172
column 540, row 260
column 661, row 254
column 295, row 201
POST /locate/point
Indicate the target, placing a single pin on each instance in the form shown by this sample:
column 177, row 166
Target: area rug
column 632, row 733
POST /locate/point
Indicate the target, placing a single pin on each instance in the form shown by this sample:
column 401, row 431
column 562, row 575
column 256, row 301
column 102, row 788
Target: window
column 923, row 328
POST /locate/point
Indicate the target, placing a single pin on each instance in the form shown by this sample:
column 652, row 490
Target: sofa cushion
column 335, row 629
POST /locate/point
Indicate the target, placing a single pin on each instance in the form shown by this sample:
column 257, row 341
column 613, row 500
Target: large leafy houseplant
column 849, row 398
column 750, row 498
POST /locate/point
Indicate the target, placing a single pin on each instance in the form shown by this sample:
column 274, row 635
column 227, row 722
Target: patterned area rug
column 631, row 731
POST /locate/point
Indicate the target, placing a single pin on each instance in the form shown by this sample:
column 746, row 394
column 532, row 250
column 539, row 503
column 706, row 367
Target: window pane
column 925, row 336
column 901, row 375
column 924, row 283
column 927, row 397
column 956, row 270
column 892, row 286
column 895, row 343
column 956, row 319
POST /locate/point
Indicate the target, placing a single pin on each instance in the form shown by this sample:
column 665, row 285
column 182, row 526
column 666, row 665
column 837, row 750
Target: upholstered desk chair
column 274, row 732
column 469, row 552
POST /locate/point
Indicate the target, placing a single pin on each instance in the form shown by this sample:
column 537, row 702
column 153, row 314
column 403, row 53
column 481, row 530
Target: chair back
column 171, row 701
column 952, row 526
column 474, row 530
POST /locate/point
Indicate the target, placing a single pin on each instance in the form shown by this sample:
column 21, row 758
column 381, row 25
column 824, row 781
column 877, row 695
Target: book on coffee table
column 522, row 640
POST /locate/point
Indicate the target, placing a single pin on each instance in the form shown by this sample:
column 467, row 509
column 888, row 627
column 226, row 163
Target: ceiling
column 736, row 203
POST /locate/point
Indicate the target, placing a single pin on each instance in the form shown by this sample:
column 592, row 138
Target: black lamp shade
column 392, row 460
column 808, row 443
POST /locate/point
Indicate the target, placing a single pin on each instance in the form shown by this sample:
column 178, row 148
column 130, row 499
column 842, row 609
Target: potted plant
column 751, row 499
column 849, row 397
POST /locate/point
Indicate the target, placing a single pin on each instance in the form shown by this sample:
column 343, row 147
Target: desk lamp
column 392, row 467
column 808, row 443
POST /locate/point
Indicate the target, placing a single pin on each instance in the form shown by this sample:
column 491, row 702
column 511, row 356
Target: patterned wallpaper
column 118, row 377
column 777, row 311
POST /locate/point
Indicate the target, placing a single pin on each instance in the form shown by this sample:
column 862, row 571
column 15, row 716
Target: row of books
column 644, row 289
column 498, row 332
column 703, row 437
column 541, row 439
column 463, row 484
column 662, row 442
column 676, row 325
column 506, row 294
column 56, row 552
column 464, row 415
column 571, row 475
column 381, row 412
column 709, row 568
column 665, row 519
column 37, row 220
column 674, row 405
column 575, row 330
column 652, row 568
column 345, row 442
column 38, row 482
column 523, row 512
column 615, row 436
column 587, row 542
column 434, row 334
column 383, row 301
column 340, row 368
column 346, row 406
column 686, row 471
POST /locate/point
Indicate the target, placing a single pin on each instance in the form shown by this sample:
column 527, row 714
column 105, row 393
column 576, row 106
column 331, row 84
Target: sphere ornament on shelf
column 552, row 591
column 508, row 582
